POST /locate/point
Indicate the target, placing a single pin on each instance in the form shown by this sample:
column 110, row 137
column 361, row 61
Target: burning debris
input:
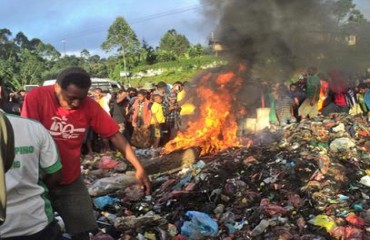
column 301, row 186
column 213, row 127
column 309, row 180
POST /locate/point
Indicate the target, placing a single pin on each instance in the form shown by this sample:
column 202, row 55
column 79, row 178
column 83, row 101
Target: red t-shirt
column 68, row 127
column 340, row 99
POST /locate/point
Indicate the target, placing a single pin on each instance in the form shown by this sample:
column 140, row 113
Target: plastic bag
column 355, row 220
column 107, row 185
column 106, row 162
column 101, row 202
column 341, row 144
column 365, row 181
column 324, row 221
column 200, row 226
column 347, row 232
column 260, row 228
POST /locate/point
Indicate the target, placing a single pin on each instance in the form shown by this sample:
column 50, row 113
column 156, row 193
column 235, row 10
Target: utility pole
column 124, row 64
column 64, row 46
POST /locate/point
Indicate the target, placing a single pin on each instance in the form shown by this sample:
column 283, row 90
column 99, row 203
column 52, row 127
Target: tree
column 85, row 54
column 94, row 58
column 7, row 47
column 174, row 42
column 4, row 35
column 30, row 68
column 121, row 37
column 196, row 50
column 22, row 41
column 147, row 54
column 47, row 52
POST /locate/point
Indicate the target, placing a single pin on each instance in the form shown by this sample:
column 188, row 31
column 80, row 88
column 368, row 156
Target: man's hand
column 143, row 178
column 120, row 142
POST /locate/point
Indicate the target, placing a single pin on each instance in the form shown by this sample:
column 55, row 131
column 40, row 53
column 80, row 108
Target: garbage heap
column 310, row 180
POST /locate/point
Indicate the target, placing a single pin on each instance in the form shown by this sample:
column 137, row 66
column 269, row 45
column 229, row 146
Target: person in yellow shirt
column 178, row 88
column 102, row 99
column 157, row 119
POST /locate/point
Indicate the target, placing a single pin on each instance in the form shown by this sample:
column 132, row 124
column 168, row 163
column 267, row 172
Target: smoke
column 274, row 37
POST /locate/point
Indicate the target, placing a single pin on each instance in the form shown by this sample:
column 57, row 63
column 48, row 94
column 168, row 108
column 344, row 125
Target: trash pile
column 310, row 180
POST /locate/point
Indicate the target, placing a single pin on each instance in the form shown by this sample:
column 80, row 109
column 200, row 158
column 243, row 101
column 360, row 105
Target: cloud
column 84, row 23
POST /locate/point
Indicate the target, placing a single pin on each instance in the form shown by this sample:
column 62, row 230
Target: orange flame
column 215, row 128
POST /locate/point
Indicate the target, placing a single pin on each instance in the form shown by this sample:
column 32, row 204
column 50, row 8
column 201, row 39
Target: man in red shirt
column 66, row 112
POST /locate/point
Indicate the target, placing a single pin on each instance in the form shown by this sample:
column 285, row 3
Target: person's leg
column 106, row 147
column 157, row 136
column 88, row 141
column 90, row 148
column 74, row 205
column 129, row 131
column 51, row 232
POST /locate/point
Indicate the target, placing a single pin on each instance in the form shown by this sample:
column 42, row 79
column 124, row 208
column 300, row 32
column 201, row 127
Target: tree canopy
column 175, row 43
column 31, row 61
column 121, row 37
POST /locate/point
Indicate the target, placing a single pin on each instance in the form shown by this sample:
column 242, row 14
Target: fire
column 215, row 126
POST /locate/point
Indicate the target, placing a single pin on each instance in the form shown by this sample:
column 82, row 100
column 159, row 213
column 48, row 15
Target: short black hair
column 122, row 90
column 142, row 92
column 132, row 89
column 74, row 75
column 161, row 84
column 98, row 89
column 362, row 86
column 178, row 82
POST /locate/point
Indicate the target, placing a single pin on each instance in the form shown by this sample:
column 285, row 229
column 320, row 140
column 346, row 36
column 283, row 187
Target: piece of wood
column 173, row 160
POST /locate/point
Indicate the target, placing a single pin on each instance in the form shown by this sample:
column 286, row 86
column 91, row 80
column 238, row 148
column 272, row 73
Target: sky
column 74, row 25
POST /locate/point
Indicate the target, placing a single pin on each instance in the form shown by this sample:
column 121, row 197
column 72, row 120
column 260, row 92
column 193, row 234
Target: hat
column 148, row 86
column 157, row 93
column 172, row 96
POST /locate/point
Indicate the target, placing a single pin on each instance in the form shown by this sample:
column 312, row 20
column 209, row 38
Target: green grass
column 179, row 70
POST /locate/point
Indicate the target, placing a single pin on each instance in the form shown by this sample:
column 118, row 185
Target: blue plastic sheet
column 101, row 202
column 200, row 226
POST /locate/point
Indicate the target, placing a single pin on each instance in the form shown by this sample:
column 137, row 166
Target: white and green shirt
column 28, row 208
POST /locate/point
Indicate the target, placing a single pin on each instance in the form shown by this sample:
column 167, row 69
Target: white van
column 29, row 87
column 104, row 83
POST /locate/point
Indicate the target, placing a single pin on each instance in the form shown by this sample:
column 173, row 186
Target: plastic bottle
column 260, row 228
column 109, row 216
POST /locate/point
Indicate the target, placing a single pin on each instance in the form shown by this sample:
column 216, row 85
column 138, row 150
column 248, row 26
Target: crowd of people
column 318, row 94
column 45, row 176
column 148, row 116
